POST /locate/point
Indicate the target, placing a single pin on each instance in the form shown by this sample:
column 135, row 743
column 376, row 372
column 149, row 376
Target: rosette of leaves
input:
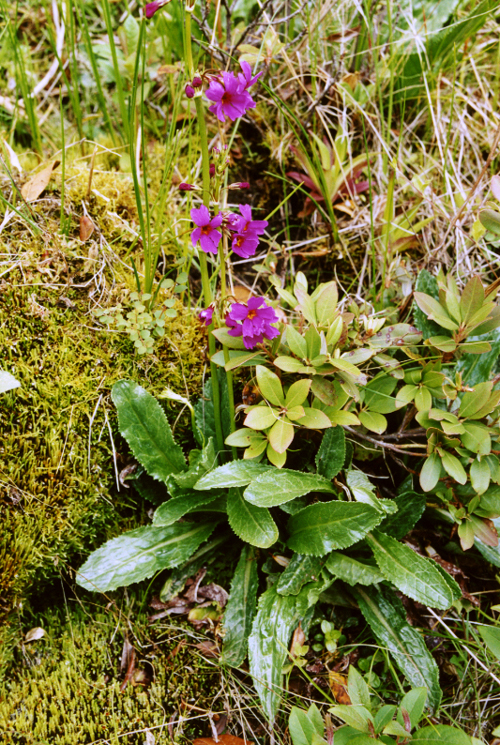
column 368, row 720
column 460, row 444
column 330, row 541
column 145, row 319
column 459, row 315
column 270, row 425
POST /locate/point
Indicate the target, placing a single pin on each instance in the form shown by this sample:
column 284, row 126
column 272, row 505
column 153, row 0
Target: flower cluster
column 230, row 94
column 246, row 231
column 252, row 321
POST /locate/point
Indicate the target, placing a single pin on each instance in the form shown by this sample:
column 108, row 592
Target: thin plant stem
column 205, row 278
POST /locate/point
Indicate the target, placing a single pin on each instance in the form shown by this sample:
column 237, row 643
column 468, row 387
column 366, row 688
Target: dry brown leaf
column 338, row 685
column 167, row 70
column 241, row 294
column 298, row 641
column 38, row 183
column 224, row 739
column 34, row 634
column 209, row 648
column 87, row 227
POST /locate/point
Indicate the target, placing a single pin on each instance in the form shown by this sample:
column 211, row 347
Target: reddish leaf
column 224, row 739
column 87, row 227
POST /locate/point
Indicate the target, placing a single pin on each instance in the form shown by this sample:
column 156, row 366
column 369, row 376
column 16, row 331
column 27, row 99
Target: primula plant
column 335, row 383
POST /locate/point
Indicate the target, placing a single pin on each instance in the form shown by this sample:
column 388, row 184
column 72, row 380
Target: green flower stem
column 205, row 278
column 223, row 249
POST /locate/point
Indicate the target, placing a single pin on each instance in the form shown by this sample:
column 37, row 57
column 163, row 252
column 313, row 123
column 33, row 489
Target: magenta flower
column 245, row 245
column 206, row 232
column 186, row 187
column 151, row 8
column 229, row 96
column 244, row 225
column 245, row 77
column 206, row 315
column 252, row 321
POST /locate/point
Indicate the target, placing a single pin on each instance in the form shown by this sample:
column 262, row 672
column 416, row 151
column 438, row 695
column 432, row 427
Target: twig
column 384, row 445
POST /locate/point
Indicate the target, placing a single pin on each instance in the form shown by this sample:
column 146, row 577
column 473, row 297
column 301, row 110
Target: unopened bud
column 197, row 82
column 212, row 170
column 239, row 185
column 189, row 91
column 186, row 187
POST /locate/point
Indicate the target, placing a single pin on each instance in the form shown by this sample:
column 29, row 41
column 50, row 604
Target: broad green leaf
column 427, row 284
column 453, row 467
column 440, row 734
column 324, row 526
column 434, row 311
column 478, row 368
column 241, row 608
column 300, row 727
column 232, row 342
column 349, row 736
column 150, row 489
column 140, row 553
column 358, row 689
column 144, row 425
column 296, row 342
column 491, row 637
column 7, row 382
column 238, row 359
column 377, row 394
column 412, row 574
column 491, row 220
column 241, row 438
column 364, row 491
column 373, row 422
column 291, row 365
column 314, row 419
column 443, row 343
column 204, row 410
column 414, row 704
column 326, row 301
column 252, row 524
column 474, row 400
column 431, row 472
column 268, row 646
column 236, row 473
column 411, row 506
column 169, row 512
column 353, row 715
column 277, row 487
column 476, row 438
column 300, row 570
column 331, row 454
column 281, row 435
column 386, row 616
column 480, row 476
column 297, row 393
column 260, row 417
column 401, row 334
column 270, row 386
column 353, row 571
column 200, row 461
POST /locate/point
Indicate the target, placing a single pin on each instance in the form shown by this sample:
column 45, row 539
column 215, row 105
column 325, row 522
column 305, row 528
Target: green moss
column 65, row 687
column 56, row 503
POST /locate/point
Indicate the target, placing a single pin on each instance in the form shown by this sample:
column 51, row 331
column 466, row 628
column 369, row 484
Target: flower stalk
column 205, row 277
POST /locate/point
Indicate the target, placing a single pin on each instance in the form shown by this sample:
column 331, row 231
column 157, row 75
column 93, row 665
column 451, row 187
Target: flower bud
column 212, row 170
column 197, row 82
column 239, row 185
column 187, row 187
column 189, row 91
